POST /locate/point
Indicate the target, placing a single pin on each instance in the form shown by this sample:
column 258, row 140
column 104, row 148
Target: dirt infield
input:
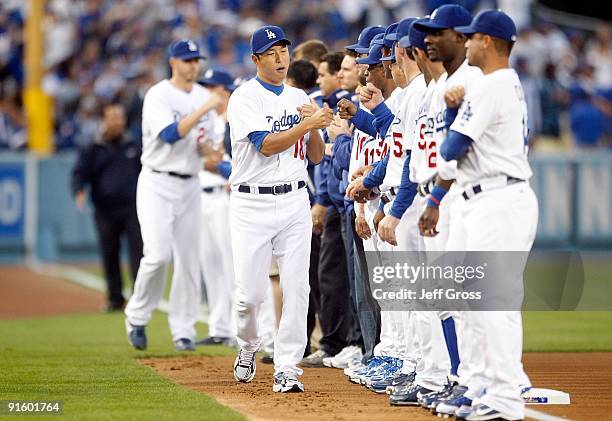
column 25, row 294
column 329, row 395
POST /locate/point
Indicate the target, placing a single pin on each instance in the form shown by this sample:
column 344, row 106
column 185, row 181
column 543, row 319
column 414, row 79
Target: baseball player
column 269, row 206
column 176, row 113
column 215, row 246
column 489, row 141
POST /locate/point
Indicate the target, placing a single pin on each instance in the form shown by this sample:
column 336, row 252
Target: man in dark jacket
column 110, row 167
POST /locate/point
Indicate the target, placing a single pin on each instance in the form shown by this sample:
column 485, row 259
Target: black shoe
column 267, row 359
column 112, row 307
column 213, row 340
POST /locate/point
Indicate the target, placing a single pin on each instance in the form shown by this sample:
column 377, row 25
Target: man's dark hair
column 303, row 73
column 502, row 46
column 334, row 61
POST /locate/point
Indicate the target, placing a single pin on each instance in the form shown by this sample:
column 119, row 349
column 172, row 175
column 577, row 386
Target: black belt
column 174, row 174
column 278, row 189
column 385, row 196
column 213, row 189
column 478, row 188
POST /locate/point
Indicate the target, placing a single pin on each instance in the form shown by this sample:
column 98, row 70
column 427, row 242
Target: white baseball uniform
column 267, row 224
column 435, row 365
column 494, row 115
column 373, row 150
column 168, row 206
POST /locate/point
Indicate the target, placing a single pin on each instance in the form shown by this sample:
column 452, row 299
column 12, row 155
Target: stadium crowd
column 103, row 50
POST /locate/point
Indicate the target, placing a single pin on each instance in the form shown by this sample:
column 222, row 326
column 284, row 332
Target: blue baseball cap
column 374, row 55
column 366, row 50
column 403, row 27
column 365, row 37
column 491, row 22
column 446, row 16
column 415, row 38
column 391, row 29
column 185, row 49
column 218, row 77
column 265, row 37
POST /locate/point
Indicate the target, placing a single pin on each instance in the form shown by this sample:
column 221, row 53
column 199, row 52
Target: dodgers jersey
column 399, row 135
column 422, row 159
column 465, row 76
column 494, row 115
column 163, row 105
column 207, row 178
column 253, row 108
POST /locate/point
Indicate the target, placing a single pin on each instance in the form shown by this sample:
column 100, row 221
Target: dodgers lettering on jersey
column 253, row 108
column 465, row 76
column 423, row 154
column 163, row 105
column 494, row 115
column 401, row 131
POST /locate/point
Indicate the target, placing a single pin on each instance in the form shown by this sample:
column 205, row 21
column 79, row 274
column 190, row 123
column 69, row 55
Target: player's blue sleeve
column 383, row 118
column 406, row 193
column 225, row 169
column 455, row 145
column 449, row 116
column 342, row 154
column 381, row 206
column 364, row 121
column 170, row 133
column 257, row 139
column 377, row 175
column 320, row 175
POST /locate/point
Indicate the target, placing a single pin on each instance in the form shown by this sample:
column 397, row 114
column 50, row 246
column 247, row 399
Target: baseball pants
column 262, row 225
column 169, row 213
column 511, row 213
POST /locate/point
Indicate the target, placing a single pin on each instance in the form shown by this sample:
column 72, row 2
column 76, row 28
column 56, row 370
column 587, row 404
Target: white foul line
column 96, row 283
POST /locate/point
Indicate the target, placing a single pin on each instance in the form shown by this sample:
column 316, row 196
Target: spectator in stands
column 553, row 100
column 110, row 168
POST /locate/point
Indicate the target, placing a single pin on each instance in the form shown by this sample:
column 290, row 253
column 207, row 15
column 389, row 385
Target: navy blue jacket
column 327, row 184
column 111, row 169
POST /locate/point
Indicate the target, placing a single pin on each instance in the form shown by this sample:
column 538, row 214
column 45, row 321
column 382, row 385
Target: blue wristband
column 436, row 196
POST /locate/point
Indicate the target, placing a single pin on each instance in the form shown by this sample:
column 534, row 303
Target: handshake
column 316, row 117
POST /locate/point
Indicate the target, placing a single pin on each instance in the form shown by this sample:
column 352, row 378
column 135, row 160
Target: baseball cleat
column 315, row 359
column 287, row 383
column 137, row 336
column 184, row 344
column 214, row 340
column 449, row 407
column 267, row 358
column 483, row 412
column 408, row 396
column 244, row 366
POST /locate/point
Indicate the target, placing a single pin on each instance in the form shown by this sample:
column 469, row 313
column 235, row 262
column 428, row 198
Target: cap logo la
column 433, row 15
column 270, row 34
column 191, row 45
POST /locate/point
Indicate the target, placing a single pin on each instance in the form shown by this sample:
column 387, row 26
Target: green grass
column 565, row 331
column 86, row 362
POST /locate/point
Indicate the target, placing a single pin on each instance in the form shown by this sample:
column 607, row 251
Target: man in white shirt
column 177, row 113
column 269, row 205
